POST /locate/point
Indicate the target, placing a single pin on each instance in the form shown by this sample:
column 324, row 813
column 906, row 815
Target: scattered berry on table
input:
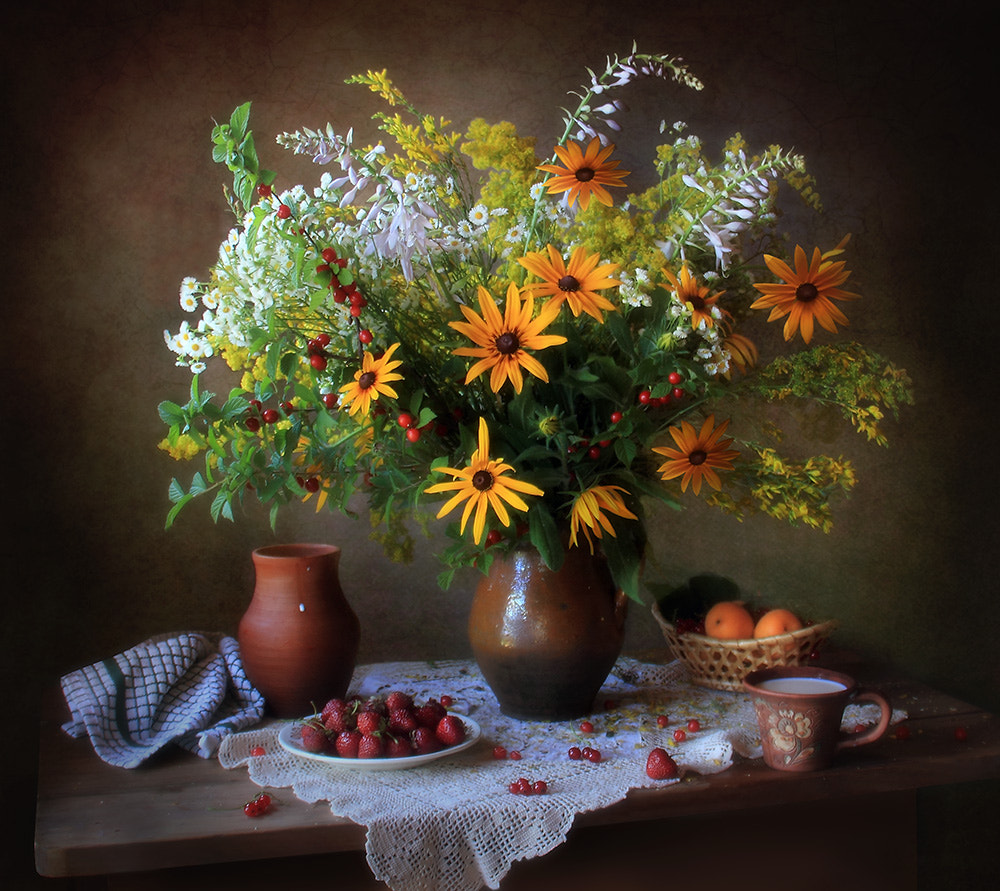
column 574, row 753
column 694, row 726
column 515, row 755
column 446, row 701
column 586, row 727
column 499, row 753
column 258, row 806
column 662, row 720
column 257, row 751
column 680, row 735
column 660, row 766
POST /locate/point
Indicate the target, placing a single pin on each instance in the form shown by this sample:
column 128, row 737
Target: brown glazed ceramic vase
column 299, row 636
column 545, row 641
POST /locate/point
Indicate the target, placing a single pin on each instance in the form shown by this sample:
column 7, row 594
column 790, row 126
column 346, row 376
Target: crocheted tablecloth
column 453, row 824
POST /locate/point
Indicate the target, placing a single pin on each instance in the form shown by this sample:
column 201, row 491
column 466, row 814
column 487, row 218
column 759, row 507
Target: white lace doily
column 453, row 824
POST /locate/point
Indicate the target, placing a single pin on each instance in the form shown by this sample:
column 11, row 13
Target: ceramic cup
column 799, row 712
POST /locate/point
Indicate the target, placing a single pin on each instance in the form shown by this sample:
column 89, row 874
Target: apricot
column 776, row 621
column 729, row 620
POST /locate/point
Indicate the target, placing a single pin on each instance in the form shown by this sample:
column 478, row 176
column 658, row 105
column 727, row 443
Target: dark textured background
column 111, row 198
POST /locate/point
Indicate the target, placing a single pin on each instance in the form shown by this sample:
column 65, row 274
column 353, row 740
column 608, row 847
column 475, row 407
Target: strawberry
column 401, row 721
column 398, row 747
column 335, row 704
column 347, row 743
column 398, row 700
column 375, row 704
column 314, row 736
column 430, row 713
column 337, row 716
column 369, row 723
column 660, row 766
column 450, row 730
column 424, row 741
column 371, row 746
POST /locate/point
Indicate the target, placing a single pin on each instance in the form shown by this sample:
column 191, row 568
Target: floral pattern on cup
column 789, row 731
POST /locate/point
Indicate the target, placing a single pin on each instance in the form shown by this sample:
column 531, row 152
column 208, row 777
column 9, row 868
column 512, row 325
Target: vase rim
column 294, row 550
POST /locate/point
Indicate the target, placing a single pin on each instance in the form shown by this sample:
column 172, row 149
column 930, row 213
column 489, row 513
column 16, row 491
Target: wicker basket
column 722, row 664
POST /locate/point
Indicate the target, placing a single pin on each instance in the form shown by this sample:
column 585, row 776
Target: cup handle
column 872, row 733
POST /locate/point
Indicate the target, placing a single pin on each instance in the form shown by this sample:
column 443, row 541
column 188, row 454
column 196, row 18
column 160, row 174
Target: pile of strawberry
column 390, row 726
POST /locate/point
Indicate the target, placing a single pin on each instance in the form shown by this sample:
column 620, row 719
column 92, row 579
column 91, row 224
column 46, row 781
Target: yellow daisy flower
column 483, row 485
column 372, row 381
column 694, row 295
column 576, row 282
column 502, row 340
column 807, row 292
column 587, row 513
column 584, row 173
column 698, row 455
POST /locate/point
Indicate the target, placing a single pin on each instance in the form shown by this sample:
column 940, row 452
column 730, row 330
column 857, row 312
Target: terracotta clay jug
column 545, row 641
column 299, row 636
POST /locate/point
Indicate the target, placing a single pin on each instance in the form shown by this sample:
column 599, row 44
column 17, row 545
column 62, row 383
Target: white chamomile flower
column 197, row 367
column 536, row 191
column 479, row 215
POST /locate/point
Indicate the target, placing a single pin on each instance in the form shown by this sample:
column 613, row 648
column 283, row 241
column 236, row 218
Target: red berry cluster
column 390, row 726
column 500, row 753
column 409, row 424
column 257, row 414
column 316, row 350
column 524, row 786
column 647, row 398
column 258, row 805
column 587, row 753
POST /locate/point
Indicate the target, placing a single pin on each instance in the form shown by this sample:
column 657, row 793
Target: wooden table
column 182, row 812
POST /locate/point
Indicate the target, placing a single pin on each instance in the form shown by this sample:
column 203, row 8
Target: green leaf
column 239, row 120
column 544, row 534
column 176, row 491
column 171, row 413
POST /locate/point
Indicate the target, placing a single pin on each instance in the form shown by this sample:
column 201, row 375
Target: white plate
column 291, row 741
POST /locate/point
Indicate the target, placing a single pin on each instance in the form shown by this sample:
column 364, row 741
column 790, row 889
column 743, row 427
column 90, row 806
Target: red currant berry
column 318, row 361
column 524, row 786
column 311, row 484
column 644, row 397
column 264, row 190
column 616, row 416
column 540, row 787
column 405, row 419
column 284, row 211
column 694, row 726
column 675, row 377
column 287, row 407
column 355, row 312
column 446, row 701
column 329, row 254
column 594, row 756
column 594, row 452
column 323, row 339
column 574, row 753
column 257, row 751
column 365, row 336
column 678, row 393
column 413, row 434
column 493, row 537
column 680, row 735
column 252, row 424
column 586, row 727
column 330, row 400
column 499, row 753
column 270, row 415
column 515, row 755
column 662, row 720
column 514, row 788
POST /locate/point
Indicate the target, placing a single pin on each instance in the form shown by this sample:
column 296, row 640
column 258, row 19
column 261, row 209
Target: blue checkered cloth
column 186, row 689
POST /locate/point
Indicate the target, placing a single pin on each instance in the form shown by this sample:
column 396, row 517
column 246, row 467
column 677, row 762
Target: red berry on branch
column 616, row 416
column 365, row 336
column 252, row 424
column 413, row 434
column 329, row 254
column 284, row 211
column 330, row 400
column 675, row 377
column 678, row 393
column 270, row 416
column 264, row 190
column 405, row 419
column 644, row 397
column 318, row 361
column 311, row 484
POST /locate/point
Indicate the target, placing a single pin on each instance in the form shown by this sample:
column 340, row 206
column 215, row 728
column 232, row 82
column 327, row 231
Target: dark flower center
column 482, row 480
column 585, row 174
column 507, row 343
column 696, row 301
column 367, row 380
column 697, row 457
column 807, row 292
column 568, row 283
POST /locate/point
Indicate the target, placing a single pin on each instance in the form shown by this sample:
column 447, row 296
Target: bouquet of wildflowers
column 455, row 326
